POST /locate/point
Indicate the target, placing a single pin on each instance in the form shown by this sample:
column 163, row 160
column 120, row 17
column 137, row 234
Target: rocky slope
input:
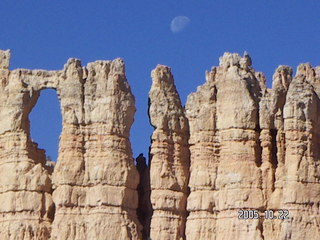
column 236, row 150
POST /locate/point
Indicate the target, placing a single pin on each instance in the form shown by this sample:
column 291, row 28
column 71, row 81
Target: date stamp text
column 281, row 214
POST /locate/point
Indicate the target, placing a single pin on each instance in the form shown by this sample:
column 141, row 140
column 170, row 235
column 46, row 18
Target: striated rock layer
column 225, row 153
column 95, row 179
column 92, row 194
column 236, row 146
column 254, row 148
column 26, row 207
column 169, row 163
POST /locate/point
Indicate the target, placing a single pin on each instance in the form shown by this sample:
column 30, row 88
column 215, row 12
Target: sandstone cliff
column 236, row 145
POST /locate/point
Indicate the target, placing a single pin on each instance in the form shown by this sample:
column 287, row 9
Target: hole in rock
column 46, row 123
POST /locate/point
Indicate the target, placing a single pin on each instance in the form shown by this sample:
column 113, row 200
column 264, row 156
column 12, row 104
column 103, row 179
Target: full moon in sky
column 179, row 23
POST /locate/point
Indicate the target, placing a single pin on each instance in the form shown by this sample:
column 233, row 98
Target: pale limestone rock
column 204, row 147
column 26, row 205
column 169, row 163
column 301, row 195
column 224, row 133
column 94, row 181
column 316, row 81
column 254, row 148
column 272, row 139
column 236, row 145
column 4, row 59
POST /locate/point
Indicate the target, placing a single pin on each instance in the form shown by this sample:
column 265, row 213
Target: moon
column 179, row 23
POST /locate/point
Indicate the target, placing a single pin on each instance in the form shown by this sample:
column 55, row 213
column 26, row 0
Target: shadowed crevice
column 274, row 148
column 144, row 210
column 258, row 148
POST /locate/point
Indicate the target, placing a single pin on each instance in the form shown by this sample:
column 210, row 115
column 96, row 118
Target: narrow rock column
column 239, row 180
column 169, row 170
column 301, row 184
column 109, row 107
column 204, row 148
column 273, row 146
column 225, row 153
column 95, row 178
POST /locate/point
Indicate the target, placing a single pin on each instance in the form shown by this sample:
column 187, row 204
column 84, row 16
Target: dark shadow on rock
column 144, row 211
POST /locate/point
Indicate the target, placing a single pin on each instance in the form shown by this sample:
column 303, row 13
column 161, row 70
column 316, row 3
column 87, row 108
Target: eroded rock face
column 225, row 152
column 254, row 148
column 301, row 178
column 26, row 205
column 169, row 165
column 201, row 111
column 94, row 181
column 236, row 145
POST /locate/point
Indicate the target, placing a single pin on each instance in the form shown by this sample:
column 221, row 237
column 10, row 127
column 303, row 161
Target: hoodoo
column 239, row 161
column 170, row 157
column 92, row 191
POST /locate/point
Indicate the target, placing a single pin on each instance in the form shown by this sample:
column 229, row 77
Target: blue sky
column 44, row 34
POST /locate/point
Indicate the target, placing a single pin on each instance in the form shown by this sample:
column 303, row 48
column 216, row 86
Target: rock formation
column 25, row 186
column 94, row 181
column 169, row 163
column 298, row 182
column 225, row 153
column 254, row 148
column 235, row 147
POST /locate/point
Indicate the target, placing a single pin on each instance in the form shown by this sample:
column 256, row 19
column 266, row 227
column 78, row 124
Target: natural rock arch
column 94, row 180
column 46, row 125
